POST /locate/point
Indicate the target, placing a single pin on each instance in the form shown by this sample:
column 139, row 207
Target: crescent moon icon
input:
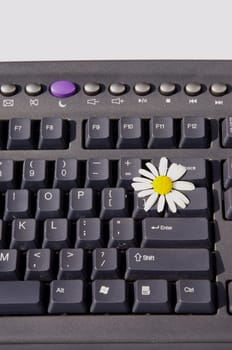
column 62, row 105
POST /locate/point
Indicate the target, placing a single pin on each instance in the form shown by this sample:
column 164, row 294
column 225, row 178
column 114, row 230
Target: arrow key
column 38, row 265
column 71, row 264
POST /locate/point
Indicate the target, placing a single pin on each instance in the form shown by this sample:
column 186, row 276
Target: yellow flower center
column 162, row 184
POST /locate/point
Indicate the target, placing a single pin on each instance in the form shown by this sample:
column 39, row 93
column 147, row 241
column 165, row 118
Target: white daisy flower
column 163, row 184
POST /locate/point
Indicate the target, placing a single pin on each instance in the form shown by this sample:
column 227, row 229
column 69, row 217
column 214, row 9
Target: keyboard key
column 67, row 297
column 175, row 233
column 130, row 133
column 39, row 265
column 151, row 297
column 230, row 296
column 89, row 233
column 197, row 170
column 127, row 169
column 194, row 133
column 195, row 297
column 168, row 263
column 193, row 89
column 98, row 133
column 105, row 263
column 3, row 240
column 81, row 203
column 139, row 212
column 117, row 89
column 20, row 297
column 218, row 89
column 227, row 173
column 167, row 89
column 53, row 133
column 7, row 175
column 49, row 204
column 34, row 174
column 142, row 89
column 98, row 173
column 228, row 204
column 9, row 264
column 20, row 134
column 113, row 203
column 17, row 204
column 66, row 173
column 23, row 234
column 122, row 233
column 162, row 133
column 63, row 88
column 227, row 132
column 33, row 89
column 109, row 296
column 8, row 89
column 199, row 204
column 92, row 88
column 56, row 234
column 72, row 264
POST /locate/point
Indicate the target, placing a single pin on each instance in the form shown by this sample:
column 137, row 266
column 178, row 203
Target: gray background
column 57, row 30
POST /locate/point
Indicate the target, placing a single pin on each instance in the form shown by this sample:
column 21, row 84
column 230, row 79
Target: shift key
column 170, row 264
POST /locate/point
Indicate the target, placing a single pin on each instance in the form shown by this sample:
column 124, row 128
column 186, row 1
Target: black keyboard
column 116, row 204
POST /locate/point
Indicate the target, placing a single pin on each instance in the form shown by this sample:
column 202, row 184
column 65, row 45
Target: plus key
column 127, row 169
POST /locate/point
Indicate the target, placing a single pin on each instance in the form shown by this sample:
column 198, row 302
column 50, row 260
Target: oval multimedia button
column 63, row 88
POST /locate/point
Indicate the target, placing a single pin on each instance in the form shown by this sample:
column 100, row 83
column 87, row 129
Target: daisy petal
column 177, row 200
column 161, row 203
column 142, row 179
column 176, row 171
column 180, row 196
column 163, row 166
column 151, row 201
column 140, row 186
column 171, row 169
column 170, row 202
column 145, row 193
column 183, row 186
column 146, row 173
column 152, row 168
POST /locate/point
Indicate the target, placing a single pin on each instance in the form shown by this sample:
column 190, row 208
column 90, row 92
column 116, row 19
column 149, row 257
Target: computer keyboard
column 116, row 204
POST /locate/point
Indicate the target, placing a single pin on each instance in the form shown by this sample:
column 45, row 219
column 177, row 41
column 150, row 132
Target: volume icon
column 117, row 101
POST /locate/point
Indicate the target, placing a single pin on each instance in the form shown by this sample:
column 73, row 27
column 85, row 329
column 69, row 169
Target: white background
column 101, row 29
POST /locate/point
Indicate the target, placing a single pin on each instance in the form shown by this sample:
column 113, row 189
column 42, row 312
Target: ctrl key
column 195, row 297
column 20, row 297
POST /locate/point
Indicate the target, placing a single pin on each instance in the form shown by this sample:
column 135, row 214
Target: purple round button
column 63, row 88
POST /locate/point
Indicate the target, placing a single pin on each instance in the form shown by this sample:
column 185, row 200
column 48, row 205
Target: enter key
column 176, row 233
